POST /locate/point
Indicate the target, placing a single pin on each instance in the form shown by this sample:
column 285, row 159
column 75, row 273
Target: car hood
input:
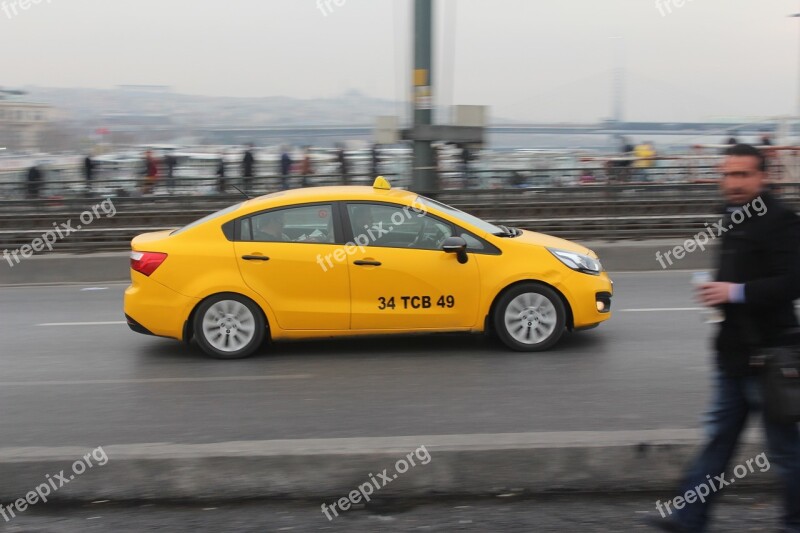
column 548, row 241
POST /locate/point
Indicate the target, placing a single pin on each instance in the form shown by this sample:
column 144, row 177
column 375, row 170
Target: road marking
column 152, row 380
column 662, row 309
column 58, row 324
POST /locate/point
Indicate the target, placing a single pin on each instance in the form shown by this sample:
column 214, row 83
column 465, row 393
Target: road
column 738, row 511
column 73, row 374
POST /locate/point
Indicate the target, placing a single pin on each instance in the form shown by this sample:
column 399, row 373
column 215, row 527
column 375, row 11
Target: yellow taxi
column 344, row 261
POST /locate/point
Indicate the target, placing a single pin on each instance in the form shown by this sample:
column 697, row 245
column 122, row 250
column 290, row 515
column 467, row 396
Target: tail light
column 146, row 262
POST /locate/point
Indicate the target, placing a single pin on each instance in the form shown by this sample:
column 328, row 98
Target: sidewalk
column 326, row 469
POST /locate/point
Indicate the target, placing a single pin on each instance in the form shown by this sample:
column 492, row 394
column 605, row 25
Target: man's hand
column 714, row 293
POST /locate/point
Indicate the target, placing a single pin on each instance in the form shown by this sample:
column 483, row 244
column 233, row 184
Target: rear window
column 206, row 218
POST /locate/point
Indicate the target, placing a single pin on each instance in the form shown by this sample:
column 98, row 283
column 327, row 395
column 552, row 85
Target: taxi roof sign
column 381, row 183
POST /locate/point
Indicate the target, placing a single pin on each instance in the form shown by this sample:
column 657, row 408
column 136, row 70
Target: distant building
column 22, row 124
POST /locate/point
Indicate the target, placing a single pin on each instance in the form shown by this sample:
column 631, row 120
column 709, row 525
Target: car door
column 399, row 276
column 279, row 253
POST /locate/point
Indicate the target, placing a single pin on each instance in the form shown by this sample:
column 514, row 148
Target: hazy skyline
column 538, row 60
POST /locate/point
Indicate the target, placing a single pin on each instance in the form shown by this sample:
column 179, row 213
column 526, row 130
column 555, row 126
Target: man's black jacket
column 763, row 252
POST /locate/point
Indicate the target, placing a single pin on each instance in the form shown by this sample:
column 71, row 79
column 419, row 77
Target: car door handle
column 367, row 263
column 255, row 258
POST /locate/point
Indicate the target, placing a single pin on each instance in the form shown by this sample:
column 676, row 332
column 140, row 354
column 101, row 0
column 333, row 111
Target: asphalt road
column 738, row 511
column 73, row 374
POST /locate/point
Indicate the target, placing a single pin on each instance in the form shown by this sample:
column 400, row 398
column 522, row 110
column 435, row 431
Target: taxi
column 356, row 260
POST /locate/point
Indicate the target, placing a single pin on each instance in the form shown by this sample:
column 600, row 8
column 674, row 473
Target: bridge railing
column 200, row 177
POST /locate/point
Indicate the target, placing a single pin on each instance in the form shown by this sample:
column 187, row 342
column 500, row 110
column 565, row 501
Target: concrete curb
column 114, row 267
column 328, row 469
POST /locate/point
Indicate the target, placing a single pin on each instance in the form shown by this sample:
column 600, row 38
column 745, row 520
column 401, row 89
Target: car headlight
column 579, row 262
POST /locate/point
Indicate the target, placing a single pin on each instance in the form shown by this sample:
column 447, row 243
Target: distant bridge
column 325, row 134
column 606, row 128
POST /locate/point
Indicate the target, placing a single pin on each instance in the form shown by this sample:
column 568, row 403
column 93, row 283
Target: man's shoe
column 665, row 524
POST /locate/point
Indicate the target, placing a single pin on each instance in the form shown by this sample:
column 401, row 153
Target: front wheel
column 530, row 318
column 229, row 326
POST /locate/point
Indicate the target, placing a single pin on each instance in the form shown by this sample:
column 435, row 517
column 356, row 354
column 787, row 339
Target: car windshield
column 206, row 218
column 460, row 215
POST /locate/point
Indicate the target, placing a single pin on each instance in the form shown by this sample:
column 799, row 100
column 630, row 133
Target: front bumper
column 590, row 299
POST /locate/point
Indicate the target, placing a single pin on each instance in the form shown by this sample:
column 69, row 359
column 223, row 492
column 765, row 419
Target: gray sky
column 538, row 60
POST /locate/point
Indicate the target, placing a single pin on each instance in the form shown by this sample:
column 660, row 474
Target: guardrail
column 606, row 212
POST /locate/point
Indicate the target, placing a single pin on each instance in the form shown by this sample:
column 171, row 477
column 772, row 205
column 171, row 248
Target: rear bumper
column 138, row 328
column 153, row 309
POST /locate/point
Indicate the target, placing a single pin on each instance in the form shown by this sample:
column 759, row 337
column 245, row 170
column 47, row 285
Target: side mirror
column 458, row 246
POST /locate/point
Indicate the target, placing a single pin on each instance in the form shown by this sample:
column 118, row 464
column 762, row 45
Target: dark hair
column 748, row 150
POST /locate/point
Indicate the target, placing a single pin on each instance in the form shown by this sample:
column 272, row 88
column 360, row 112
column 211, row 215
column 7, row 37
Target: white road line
column 661, row 309
column 57, row 324
column 152, row 380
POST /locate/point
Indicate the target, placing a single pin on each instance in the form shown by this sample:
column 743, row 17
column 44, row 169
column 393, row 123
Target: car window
column 473, row 243
column 398, row 226
column 460, row 215
column 206, row 218
column 306, row 224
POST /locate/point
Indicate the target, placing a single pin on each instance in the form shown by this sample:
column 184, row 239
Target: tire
column 529, row 318
column 229, row 326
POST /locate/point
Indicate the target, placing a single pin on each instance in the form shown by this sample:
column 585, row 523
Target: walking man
column 150, row 173
column 248, row 162
column 344, row 171
column 88, row 172
column 286, row 168
column 34, row 182
column 171, row 162
column 757, row 282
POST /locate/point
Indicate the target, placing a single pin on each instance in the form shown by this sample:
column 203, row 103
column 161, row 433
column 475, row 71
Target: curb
column 326, row 469
column 628, row 256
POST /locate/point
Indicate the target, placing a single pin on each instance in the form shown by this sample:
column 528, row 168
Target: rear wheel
column 530, row 318
column 229, row 326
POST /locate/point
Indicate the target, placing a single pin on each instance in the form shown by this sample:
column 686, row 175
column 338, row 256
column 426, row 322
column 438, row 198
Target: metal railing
column 607, row 212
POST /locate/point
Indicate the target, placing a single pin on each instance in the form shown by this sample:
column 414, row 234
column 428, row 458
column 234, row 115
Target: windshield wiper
column 507, row 232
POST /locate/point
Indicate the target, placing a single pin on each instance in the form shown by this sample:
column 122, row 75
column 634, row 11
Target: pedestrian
column 625, row 159
column 34, row 182
column 88, row 172
column 248, row 165
column 170, row 161
column 731, row 141
column 645, row 155
column 286, row 168
column 221, row 174
column 341, row 157
column 757, row 281
column 376, row 161
column 463, row 163
column 306, row 169
column 150, row 173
